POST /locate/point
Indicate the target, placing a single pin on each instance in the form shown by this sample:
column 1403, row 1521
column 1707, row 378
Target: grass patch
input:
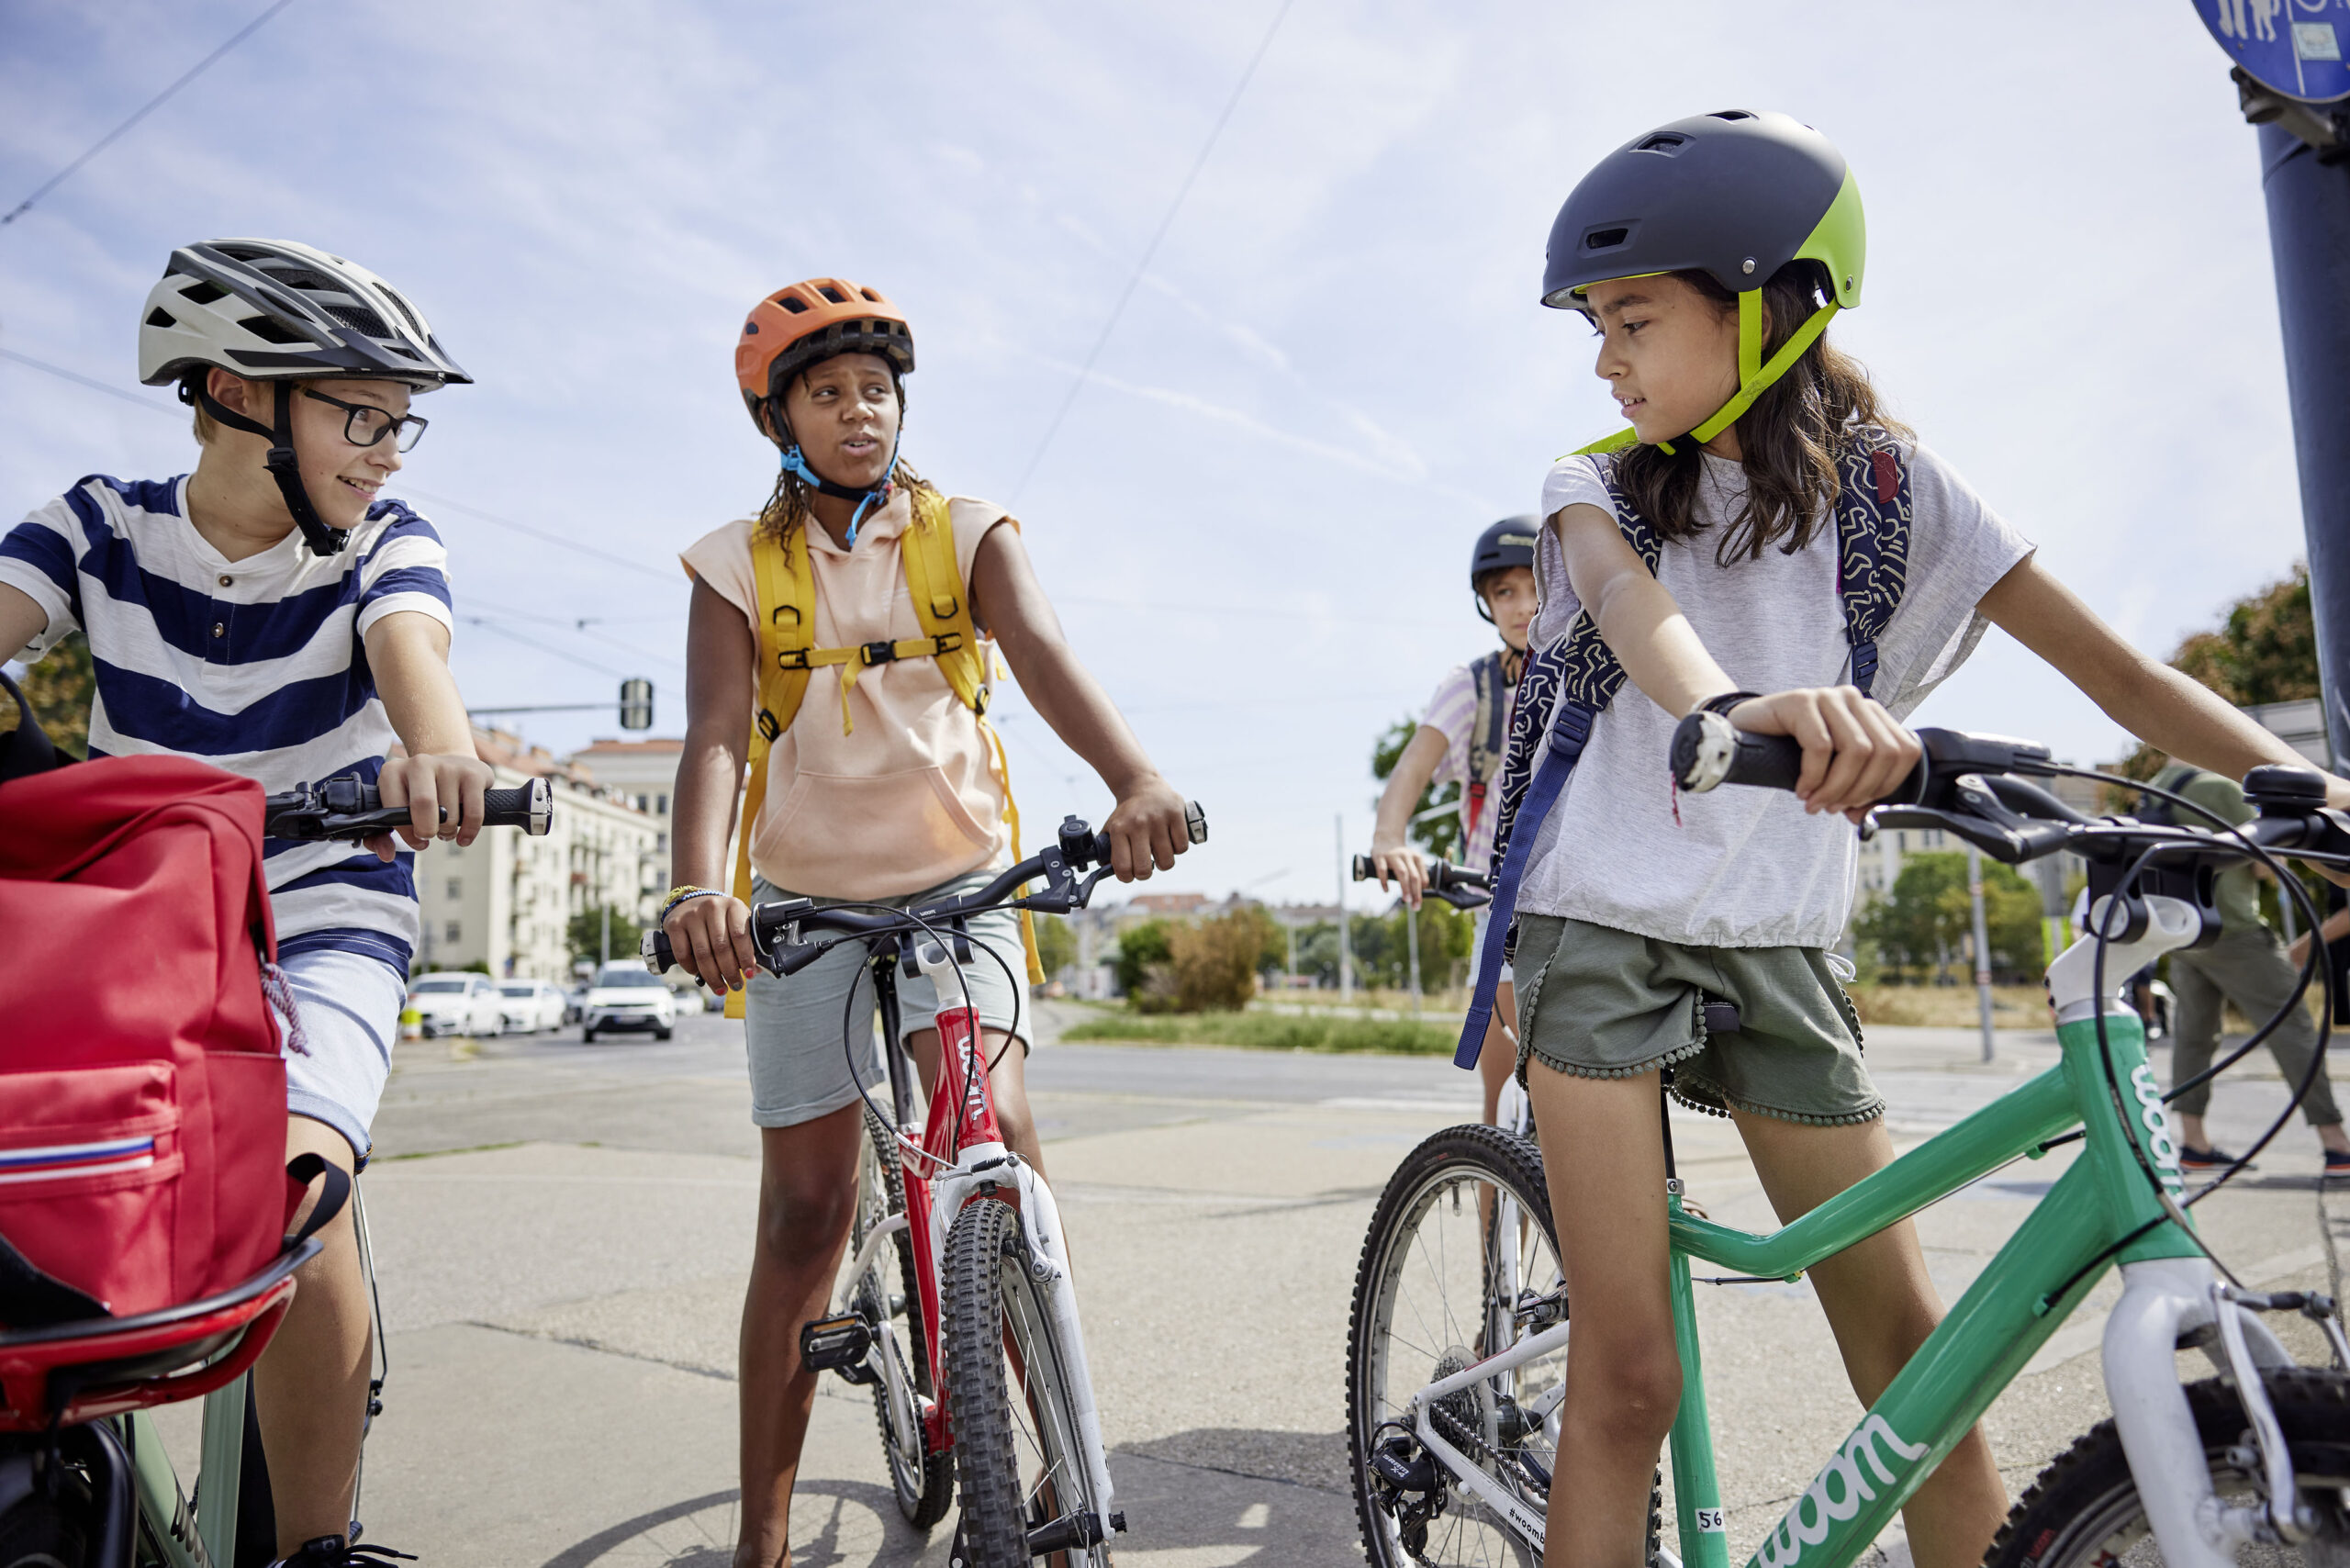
column 1268, row 1032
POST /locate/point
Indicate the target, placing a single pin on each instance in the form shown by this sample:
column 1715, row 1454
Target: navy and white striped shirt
column 257, row 666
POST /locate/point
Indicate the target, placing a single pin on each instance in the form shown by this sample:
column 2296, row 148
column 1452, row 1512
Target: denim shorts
column 349, row 1011
column 813, row 1045
column 1600, row 1003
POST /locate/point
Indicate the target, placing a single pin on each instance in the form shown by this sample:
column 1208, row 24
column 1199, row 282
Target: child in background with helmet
column 881, row 787
column 1463, row 739
column 275, row 615
column 1703, row 545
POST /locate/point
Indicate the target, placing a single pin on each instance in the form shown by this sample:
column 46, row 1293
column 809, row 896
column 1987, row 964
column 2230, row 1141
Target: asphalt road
column 562, row 1232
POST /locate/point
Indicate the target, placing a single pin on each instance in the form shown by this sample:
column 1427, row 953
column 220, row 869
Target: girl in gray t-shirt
column 1709, row 255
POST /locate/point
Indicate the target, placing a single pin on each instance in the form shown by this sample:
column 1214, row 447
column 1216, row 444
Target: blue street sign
column 2293, row 46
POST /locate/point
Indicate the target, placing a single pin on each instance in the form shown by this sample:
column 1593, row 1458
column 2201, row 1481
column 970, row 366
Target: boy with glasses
column 275, row 614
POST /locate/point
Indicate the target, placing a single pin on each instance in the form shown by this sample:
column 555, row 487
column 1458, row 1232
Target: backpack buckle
column 880, row 652
column 793, row 658
column 768, row 728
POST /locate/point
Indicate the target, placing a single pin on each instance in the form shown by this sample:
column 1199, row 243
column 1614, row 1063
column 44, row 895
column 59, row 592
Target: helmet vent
column 834, row 294
column 360, row 318
column 203, row 293
column 159, row 317
column 1605, row 239
column 270, row 331
column 870, row 295
column 797, row 307
column 304, row 279
column 1731, row 114
column 1664, row 142
column 243, row 252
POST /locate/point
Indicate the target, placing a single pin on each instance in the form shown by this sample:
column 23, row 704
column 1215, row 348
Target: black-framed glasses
column 363, row 424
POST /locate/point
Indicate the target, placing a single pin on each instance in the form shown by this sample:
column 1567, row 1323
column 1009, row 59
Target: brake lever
column 1462, row 898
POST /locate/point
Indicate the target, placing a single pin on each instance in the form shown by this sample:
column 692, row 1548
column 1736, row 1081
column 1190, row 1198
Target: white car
column 458, row 1003
column 529, row 1006
column 627, row 996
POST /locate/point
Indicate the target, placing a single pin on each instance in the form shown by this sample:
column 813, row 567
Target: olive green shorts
column 1600, row 1003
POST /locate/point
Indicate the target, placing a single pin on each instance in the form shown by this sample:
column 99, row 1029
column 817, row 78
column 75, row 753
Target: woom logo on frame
column 1837, row 1492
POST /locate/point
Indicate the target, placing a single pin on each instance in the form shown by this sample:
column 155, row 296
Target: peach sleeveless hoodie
column 909, row 796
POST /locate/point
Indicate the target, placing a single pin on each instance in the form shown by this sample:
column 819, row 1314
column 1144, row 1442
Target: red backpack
column 143, row 1096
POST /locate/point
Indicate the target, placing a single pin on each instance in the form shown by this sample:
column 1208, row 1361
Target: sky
column 1255, row 516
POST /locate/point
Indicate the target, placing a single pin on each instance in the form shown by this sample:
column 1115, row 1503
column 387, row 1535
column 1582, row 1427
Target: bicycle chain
column 1456, row 1432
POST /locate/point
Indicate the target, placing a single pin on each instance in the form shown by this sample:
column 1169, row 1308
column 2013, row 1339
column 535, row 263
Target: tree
column 1928, row 919
column 1215, row 962
column 1441, row 837
column 585, row 935
column 1140, row 948
column 1055, row 945
column 2264, row 651
column 60, row 689
column 1383, row 953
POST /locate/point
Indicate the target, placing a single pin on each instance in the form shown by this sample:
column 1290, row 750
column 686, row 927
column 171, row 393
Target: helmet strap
column 283, row 465
column 1754, row 377
column 794, row 463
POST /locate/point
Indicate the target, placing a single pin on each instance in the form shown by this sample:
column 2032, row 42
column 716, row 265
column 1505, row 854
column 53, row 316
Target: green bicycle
column 1460, row 1329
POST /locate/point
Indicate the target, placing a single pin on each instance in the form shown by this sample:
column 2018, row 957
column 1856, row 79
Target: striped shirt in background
column 1452, row 712
column 256, row 666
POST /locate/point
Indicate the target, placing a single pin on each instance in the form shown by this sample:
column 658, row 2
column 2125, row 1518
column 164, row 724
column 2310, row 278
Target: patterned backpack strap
column 1873, row 518
column 1565, row 686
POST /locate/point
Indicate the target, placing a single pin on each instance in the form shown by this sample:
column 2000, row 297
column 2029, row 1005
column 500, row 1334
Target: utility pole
column 608, row 932
column 1289, row 929
column 1346, row 951
column 1982, row 943
column 1412, row 941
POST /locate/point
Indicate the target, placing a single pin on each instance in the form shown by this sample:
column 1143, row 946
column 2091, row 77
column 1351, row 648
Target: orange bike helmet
column 795, row 327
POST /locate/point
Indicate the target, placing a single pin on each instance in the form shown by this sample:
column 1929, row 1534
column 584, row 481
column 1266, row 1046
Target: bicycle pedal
column 837, row 1344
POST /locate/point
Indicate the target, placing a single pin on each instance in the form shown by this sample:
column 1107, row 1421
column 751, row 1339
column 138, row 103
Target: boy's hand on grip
column 443, row 794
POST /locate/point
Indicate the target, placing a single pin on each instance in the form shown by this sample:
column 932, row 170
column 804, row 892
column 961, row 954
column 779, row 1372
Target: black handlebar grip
column 1195, row 822
column 530, row 807
column 1709, row 751
column 1364, row 871
column 654, row 947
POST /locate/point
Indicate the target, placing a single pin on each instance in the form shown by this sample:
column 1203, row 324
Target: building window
column 661, row 804
column 640, row 802
column 661, row 842
column 453, row 932
column 456, row 887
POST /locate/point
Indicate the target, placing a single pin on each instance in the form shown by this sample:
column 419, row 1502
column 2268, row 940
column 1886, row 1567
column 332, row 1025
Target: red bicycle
column 958, row 1296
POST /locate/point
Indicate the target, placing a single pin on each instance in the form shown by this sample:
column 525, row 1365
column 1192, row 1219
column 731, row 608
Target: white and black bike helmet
column 277, row 310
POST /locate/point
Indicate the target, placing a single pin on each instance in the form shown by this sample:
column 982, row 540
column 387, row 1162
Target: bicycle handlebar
column 1969, row 786
column 777, row 926
column 349, row 810
column 1456, row 885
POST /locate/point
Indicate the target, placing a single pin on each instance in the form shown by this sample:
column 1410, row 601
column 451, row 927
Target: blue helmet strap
column 796, row 463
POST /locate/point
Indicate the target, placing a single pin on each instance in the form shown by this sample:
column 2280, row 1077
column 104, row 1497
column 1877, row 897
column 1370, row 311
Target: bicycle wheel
column 885, row 1295
column 1461, row 1263
column 2085, row 1508
column 1016, row 1447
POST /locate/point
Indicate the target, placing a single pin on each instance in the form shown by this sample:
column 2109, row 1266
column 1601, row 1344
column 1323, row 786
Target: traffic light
column 636, row 704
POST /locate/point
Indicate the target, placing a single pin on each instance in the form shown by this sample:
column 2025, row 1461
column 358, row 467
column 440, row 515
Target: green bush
column 1269, row 1032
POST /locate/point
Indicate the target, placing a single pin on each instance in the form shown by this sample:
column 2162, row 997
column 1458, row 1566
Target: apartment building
column 506, row 902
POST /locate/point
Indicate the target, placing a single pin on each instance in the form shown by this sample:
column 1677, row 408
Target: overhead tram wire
column 150, row 106
column 1150, row 250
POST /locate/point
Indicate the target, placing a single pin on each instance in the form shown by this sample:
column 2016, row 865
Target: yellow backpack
column 787, row 587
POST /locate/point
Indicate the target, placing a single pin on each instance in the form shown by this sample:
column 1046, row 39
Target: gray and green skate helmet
column 1736, row 195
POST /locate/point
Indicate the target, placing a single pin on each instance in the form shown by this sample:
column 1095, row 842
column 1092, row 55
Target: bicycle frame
column 963, row 1154
column 2104, row 1204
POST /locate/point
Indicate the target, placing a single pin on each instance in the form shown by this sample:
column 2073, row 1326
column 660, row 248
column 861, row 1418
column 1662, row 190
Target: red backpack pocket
column 90, row 1167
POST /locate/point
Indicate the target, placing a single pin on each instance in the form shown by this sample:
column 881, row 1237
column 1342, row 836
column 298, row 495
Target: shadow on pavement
column 700, row 1532
column 1298, row 1459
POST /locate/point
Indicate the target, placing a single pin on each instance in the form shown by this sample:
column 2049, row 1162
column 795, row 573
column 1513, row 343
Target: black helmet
column 1735, row 195
column 1509, row 542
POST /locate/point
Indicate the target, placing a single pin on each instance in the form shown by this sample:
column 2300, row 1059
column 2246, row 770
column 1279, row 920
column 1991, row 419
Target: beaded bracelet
column 686, row 895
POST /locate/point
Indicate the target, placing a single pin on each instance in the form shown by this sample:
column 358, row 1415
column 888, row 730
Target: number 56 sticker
column 1709, row 1520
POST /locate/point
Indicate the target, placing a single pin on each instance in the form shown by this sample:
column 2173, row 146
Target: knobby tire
column 2085, row 1508
column 987, row 1290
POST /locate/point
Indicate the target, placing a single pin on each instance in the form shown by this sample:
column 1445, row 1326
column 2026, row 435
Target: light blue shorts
column 350, row 1006
column 805, row 1033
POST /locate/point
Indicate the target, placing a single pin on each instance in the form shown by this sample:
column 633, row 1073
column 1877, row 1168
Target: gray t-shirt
column 1746, row 868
